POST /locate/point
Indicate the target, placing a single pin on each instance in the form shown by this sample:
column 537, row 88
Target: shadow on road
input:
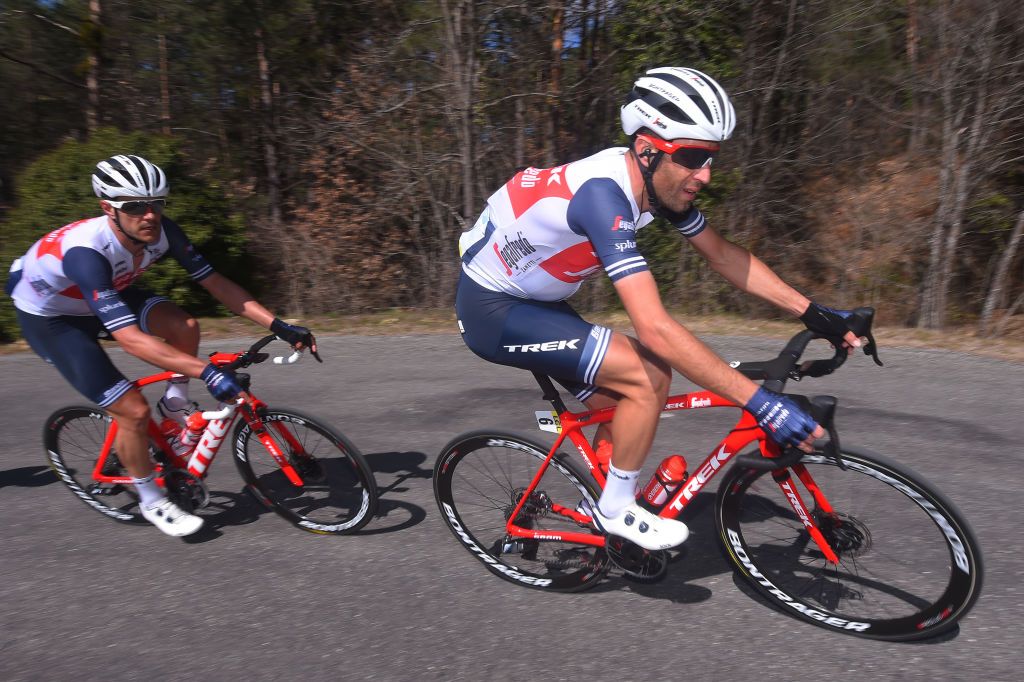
column 392, row 471
column 27, row 477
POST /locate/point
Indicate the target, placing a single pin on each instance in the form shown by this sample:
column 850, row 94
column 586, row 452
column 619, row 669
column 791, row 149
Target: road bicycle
column 294, row 464
column 842, row 538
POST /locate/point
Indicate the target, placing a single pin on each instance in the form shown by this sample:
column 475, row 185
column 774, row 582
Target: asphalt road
column 85, row 598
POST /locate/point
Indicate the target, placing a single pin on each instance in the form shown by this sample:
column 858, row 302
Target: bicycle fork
column 784, row 479
column 262, row 433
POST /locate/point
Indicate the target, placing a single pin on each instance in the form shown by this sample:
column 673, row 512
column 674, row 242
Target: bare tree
column 980, row 88
column 94, row 38
column 999, row 289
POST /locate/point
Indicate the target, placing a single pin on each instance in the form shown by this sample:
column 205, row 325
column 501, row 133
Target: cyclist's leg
column 69, row 343
column 161, row 317
column 553, row 339
column 641, row 381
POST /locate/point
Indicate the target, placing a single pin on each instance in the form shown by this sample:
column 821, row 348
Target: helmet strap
column 653, row 159
column 117, row 221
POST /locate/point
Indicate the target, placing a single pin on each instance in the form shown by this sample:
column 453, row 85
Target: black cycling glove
column 293, row 334
column 826, row 321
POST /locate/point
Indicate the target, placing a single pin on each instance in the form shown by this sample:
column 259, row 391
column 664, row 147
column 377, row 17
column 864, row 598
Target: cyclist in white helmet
column 546, row 230
column 75, row 284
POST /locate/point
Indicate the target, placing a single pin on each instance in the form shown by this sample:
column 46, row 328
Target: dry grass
column 398, row 322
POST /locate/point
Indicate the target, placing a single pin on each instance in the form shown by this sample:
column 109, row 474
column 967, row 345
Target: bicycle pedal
column 106, row 489
column 636, row 562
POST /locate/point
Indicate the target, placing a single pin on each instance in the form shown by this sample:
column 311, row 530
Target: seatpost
column 550, row 392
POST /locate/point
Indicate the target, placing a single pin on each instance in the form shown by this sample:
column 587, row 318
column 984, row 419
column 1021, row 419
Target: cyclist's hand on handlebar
column 830, row 323
column 784, row 420
column 221, row 383
column 294, row 335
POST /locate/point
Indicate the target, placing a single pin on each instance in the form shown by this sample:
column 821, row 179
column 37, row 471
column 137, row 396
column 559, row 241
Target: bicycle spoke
column 896, row 575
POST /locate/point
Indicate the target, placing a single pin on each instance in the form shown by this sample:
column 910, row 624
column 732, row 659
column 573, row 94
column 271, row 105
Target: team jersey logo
column 534, row 184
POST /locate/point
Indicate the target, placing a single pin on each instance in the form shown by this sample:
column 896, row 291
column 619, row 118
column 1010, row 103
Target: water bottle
column 194, row 426
column 170, row 430
column 666, row 480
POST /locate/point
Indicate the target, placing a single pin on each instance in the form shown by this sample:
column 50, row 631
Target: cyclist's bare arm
column 674, row 344
column 156, row 352
column 748, row 273
column 241, row 302
column 237, row 300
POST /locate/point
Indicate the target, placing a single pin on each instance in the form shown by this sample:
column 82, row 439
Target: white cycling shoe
column 640, row 526
column 176, row 409
column 172, row 519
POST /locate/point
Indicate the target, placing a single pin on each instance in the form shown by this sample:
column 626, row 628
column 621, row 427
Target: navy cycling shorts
column 71, row 344
column 540, row 336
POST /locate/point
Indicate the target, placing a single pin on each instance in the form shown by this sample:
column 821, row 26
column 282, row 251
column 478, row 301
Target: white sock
column 149, row 491
column 620, row 490
column 176, row 392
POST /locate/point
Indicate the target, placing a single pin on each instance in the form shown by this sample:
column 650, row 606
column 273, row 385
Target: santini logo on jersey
column 542, row 347
column 514, row 251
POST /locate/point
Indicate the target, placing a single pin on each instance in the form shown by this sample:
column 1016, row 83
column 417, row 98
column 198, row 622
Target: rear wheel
column 338, row 494
column 479, row 479
column 909, row 565
column 74, row 437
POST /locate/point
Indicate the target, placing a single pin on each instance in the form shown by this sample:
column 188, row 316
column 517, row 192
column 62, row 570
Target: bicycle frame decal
column 206, row 448
column 742, row 434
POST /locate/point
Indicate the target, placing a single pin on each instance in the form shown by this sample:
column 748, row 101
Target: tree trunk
column 552, row 152
column 165, row 87
column 997, row 292
column 459, row 25
column 269, row 150
column 92, row 73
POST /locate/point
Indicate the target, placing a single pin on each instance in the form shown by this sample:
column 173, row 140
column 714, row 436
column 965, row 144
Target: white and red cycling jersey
column 81, row 269
column 548, row 229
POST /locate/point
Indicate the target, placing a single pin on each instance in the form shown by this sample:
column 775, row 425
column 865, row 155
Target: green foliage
column 701, row 35
column 56, row 190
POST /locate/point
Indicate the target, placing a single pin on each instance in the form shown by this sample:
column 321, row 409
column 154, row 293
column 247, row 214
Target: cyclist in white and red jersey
column 74, row 285
column 546, row 230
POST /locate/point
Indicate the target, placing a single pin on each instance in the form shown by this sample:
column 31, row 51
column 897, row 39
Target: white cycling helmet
column 675, row 102
column 129, row 176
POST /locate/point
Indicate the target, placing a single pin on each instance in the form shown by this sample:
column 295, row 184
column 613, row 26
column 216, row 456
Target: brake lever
column 871, row 348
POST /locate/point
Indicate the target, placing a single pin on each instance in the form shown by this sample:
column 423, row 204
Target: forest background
column 327, row 154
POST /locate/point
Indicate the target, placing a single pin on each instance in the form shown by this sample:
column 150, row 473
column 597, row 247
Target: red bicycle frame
column 213, row 436
column 743, row 433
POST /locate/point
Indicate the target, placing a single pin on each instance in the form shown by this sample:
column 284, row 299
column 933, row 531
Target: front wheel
column 909, row 565
column 338, row 493
column 479, row 480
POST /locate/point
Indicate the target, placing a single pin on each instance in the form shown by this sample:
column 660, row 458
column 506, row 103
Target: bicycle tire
column 476, row 479
column 343, row 502
column 73, row 437
column 909, row 566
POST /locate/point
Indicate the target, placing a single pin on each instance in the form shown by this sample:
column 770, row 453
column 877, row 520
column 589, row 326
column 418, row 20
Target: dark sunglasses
column 688, row 156
column 139, row 207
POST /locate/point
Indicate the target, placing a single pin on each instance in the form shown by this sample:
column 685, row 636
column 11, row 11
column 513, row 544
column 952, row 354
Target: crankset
column 186, row 490
column 636, row 562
